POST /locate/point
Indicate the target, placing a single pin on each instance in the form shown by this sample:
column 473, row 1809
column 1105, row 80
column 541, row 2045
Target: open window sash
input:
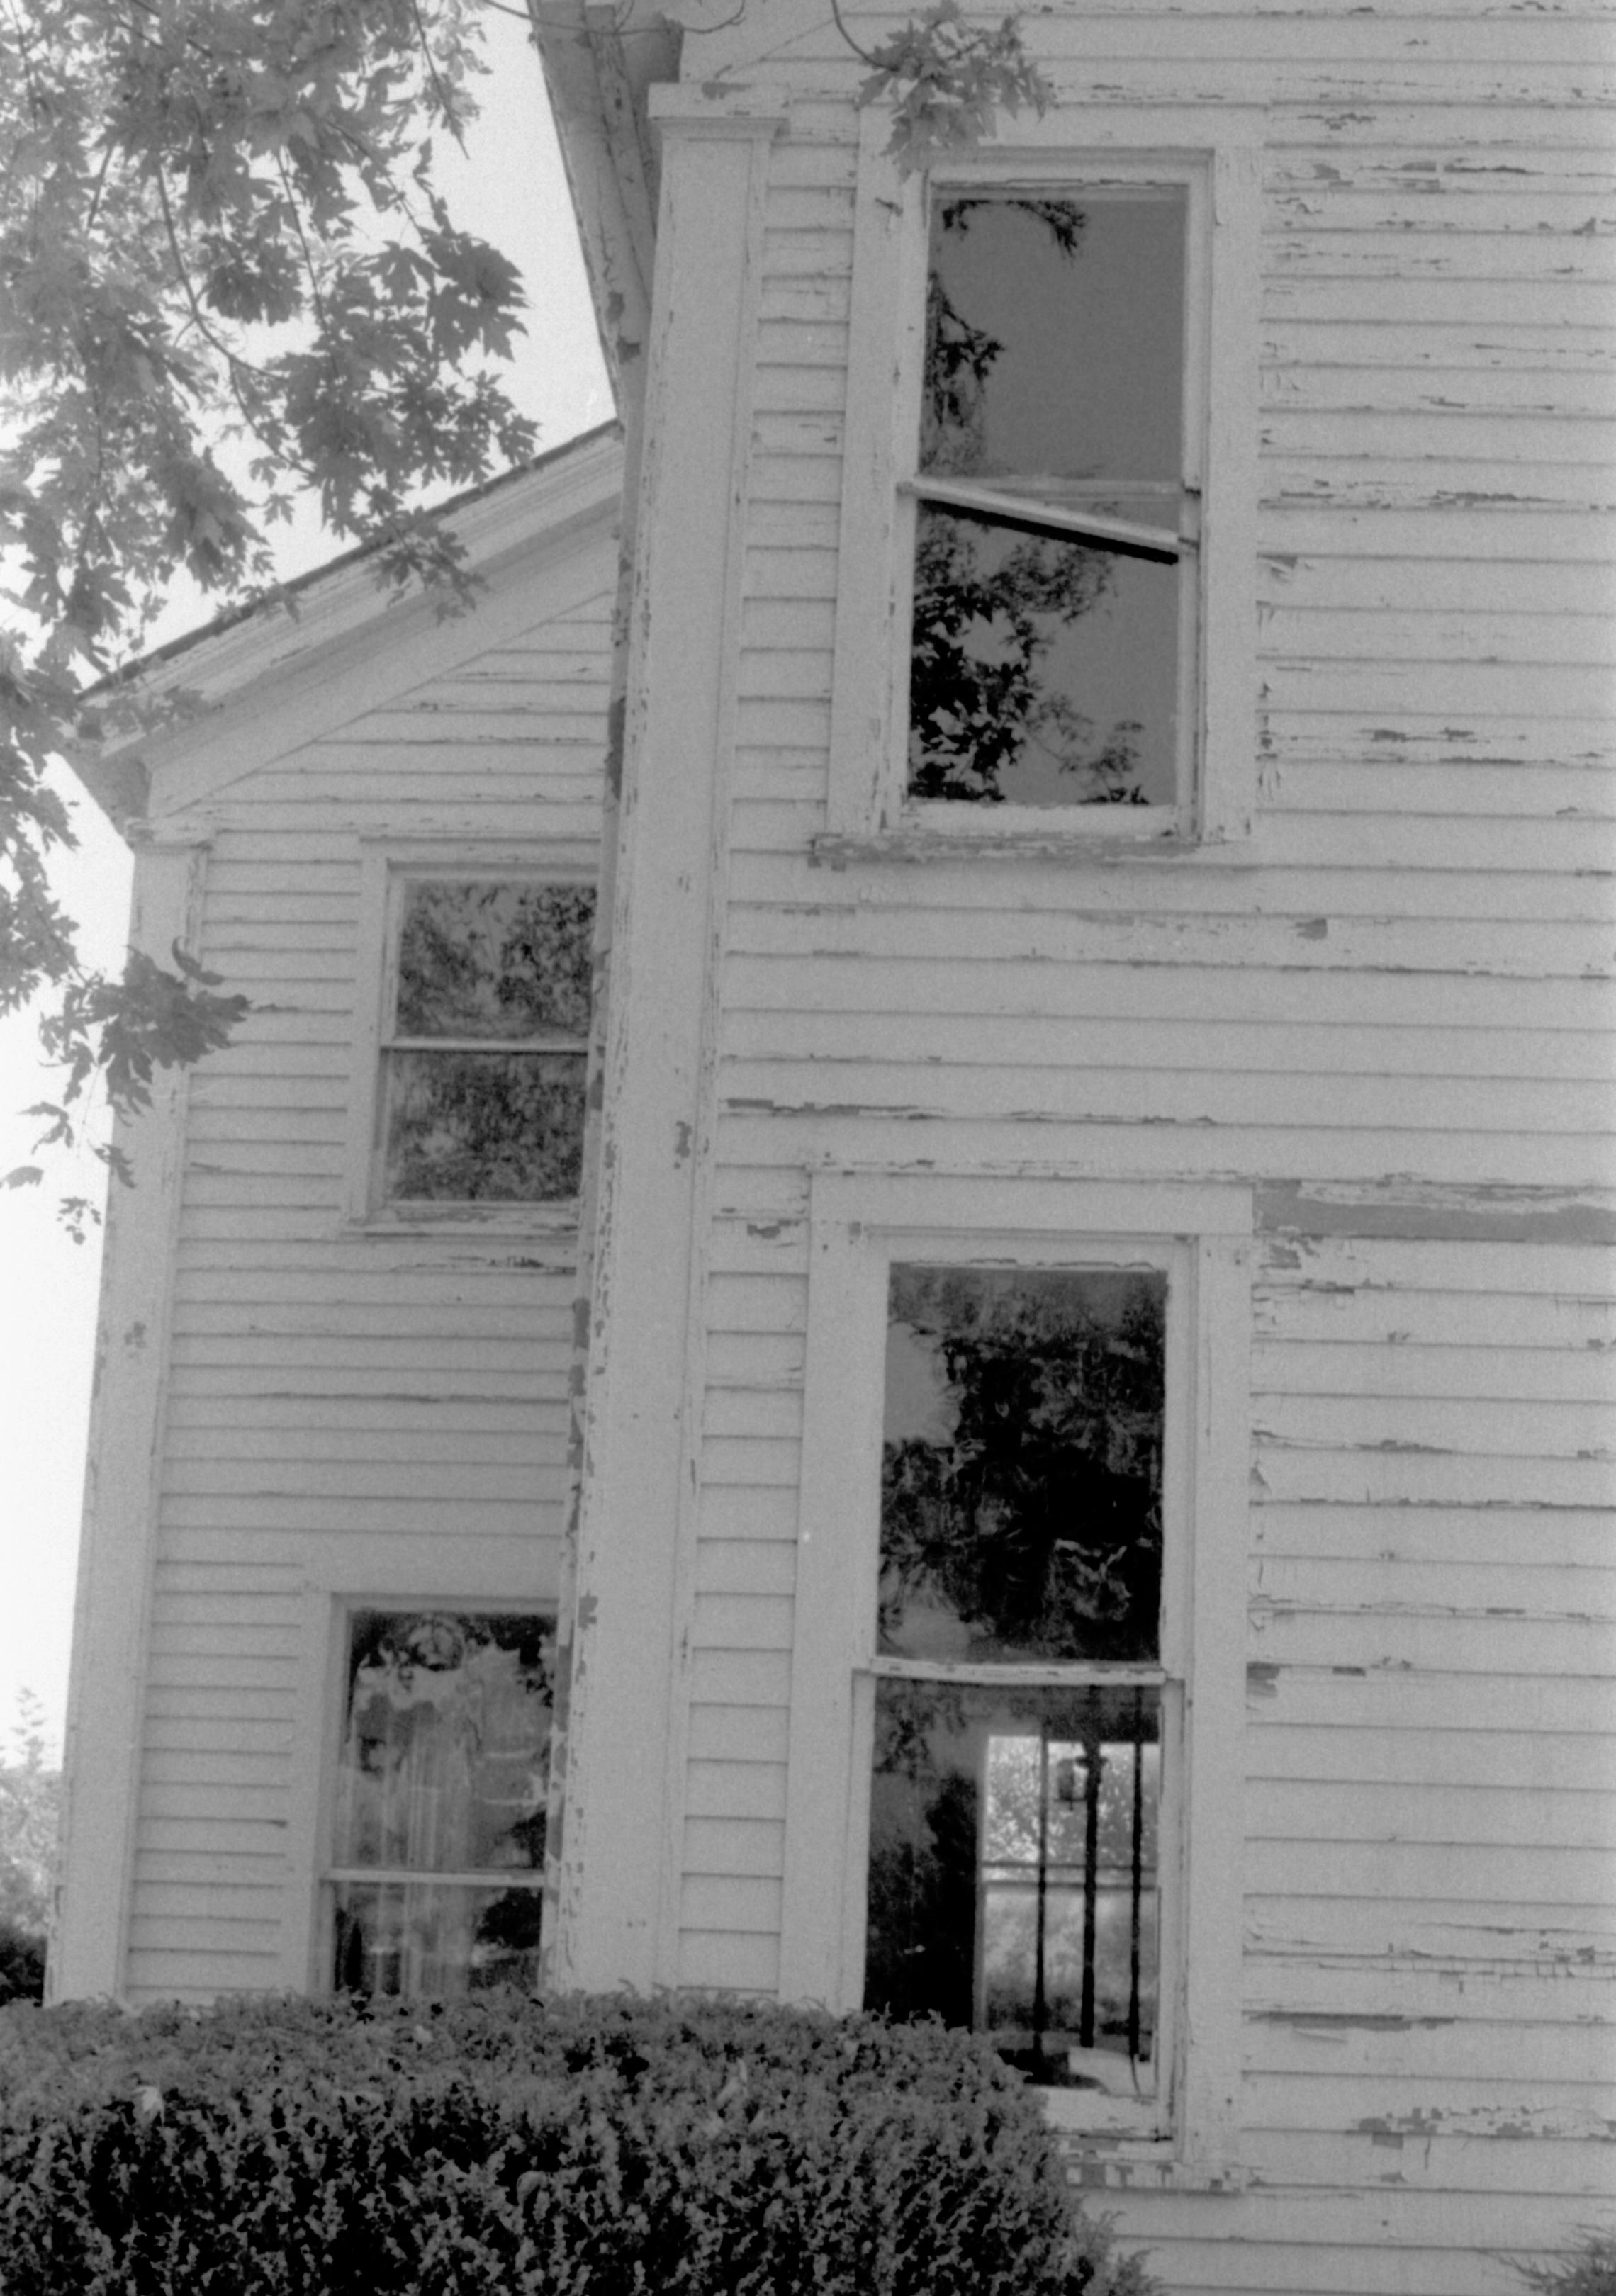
column 1041, row 511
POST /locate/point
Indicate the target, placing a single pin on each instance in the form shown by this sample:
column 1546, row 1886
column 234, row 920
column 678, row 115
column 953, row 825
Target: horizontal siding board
column 1521, row 1429
column 1448, row 1814
column 1456, row 1640
column 738, row 1734
column 1502, row 1758
column 724, row 1962
column 1527, row 1588
column 719, row 1903
column 1500, row 1369
column 783, row 913
column 1562, row 1541
column 742, row 1846
column 1017, row 1091
column 1288, row 1688
column 1407, row 1477
column 732, row 1789
column 1011, row 1041
column 1171, row 1147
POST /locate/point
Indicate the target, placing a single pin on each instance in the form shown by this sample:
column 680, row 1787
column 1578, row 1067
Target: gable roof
column 344, row 635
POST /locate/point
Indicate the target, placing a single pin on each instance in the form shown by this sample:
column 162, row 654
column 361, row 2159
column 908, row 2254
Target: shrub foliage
column 682, row 2147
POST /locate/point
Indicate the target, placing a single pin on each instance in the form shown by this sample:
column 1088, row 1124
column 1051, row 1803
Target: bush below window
column 682, row 2148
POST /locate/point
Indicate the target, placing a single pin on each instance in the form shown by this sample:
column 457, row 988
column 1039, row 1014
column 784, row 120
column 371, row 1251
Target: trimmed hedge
column 605, row 2144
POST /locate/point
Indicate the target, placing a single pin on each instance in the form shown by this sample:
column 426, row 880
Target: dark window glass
column 486, row 1060
column 485, row 960
column 1044, row 671
column 1022, row 1470
column 485, row 1127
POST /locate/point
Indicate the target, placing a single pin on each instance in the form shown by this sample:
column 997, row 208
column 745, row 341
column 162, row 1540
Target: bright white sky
column 513, row 193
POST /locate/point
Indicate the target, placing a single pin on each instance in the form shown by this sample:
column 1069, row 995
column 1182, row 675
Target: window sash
column 393, row 1044
column 1028, row 513
column 1214, row 155
column 1030, row 1674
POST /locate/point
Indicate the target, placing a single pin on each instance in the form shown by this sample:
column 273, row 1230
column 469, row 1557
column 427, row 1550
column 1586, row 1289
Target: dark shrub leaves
column 608, row 2146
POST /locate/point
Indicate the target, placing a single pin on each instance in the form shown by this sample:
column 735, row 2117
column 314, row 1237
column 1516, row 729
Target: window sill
column 921, row 842
column 1095, row 2165
column 458, row 1223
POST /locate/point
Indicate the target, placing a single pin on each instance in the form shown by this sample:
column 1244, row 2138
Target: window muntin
column 439, row 1825
column 485, row 1053
column 1017, row 1764
column 1053, row 596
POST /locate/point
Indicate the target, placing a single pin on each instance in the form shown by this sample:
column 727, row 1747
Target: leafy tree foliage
column 216, row 221
column 31, row 1801
column 1036, row 1521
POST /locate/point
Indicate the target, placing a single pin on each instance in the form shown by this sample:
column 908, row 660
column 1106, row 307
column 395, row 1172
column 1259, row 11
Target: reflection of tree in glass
column 1038, row 1522
column 495, row 960
column 468, row 1128
column 987, row 611
column 920, row 1957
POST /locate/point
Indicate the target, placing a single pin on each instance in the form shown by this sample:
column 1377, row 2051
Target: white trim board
column 348, row 651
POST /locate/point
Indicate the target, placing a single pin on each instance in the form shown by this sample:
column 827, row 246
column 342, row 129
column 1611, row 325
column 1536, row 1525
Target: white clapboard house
column 899, row 1294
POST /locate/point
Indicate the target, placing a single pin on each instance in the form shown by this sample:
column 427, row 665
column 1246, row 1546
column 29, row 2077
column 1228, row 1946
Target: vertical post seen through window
column 1056, row 536
column 439, row 1838
column 1017, row 1768
column 485, row 1054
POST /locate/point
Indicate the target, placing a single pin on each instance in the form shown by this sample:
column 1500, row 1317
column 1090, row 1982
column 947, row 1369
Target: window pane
column 495, row 1127
column 483, row 960
column 1056, row 336
column 1042, row 672
column 1045, row 673
column 1021, row 1471
column 435, row 1940
column 446, row 1741
column 1013, row 1872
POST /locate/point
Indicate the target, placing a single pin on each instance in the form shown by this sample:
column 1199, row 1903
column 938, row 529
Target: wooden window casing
column 1203, row 524
column 394, row 1052
column 1185, row 2131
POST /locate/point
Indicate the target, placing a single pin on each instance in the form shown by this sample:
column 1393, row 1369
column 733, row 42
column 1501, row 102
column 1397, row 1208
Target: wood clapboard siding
column 373, row 1411
column 1407, row 970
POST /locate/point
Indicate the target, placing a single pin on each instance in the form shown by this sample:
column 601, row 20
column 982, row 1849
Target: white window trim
column 411, row 1584
column 868, row 816
column 860, row 1223
column 385, row 870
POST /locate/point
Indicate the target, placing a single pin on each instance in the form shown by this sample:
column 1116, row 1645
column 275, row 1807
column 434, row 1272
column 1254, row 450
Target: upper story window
column 484, row 1046
column 1046, row 616
column 1056, row 503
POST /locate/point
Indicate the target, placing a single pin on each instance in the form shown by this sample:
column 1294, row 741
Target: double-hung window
column 1056, row 503
column 436, row 1871
column 1045, row 626
column 1014, row 1782
column 484, row 1042
column 1025, row 1725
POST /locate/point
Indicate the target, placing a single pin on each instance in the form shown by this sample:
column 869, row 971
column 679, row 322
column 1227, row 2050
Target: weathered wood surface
column 1406, row 971
column 383, row 1414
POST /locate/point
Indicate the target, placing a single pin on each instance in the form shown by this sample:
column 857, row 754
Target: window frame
column 342, row 1611
column 860, row 1225
column 386, row 873
column 870, row 814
